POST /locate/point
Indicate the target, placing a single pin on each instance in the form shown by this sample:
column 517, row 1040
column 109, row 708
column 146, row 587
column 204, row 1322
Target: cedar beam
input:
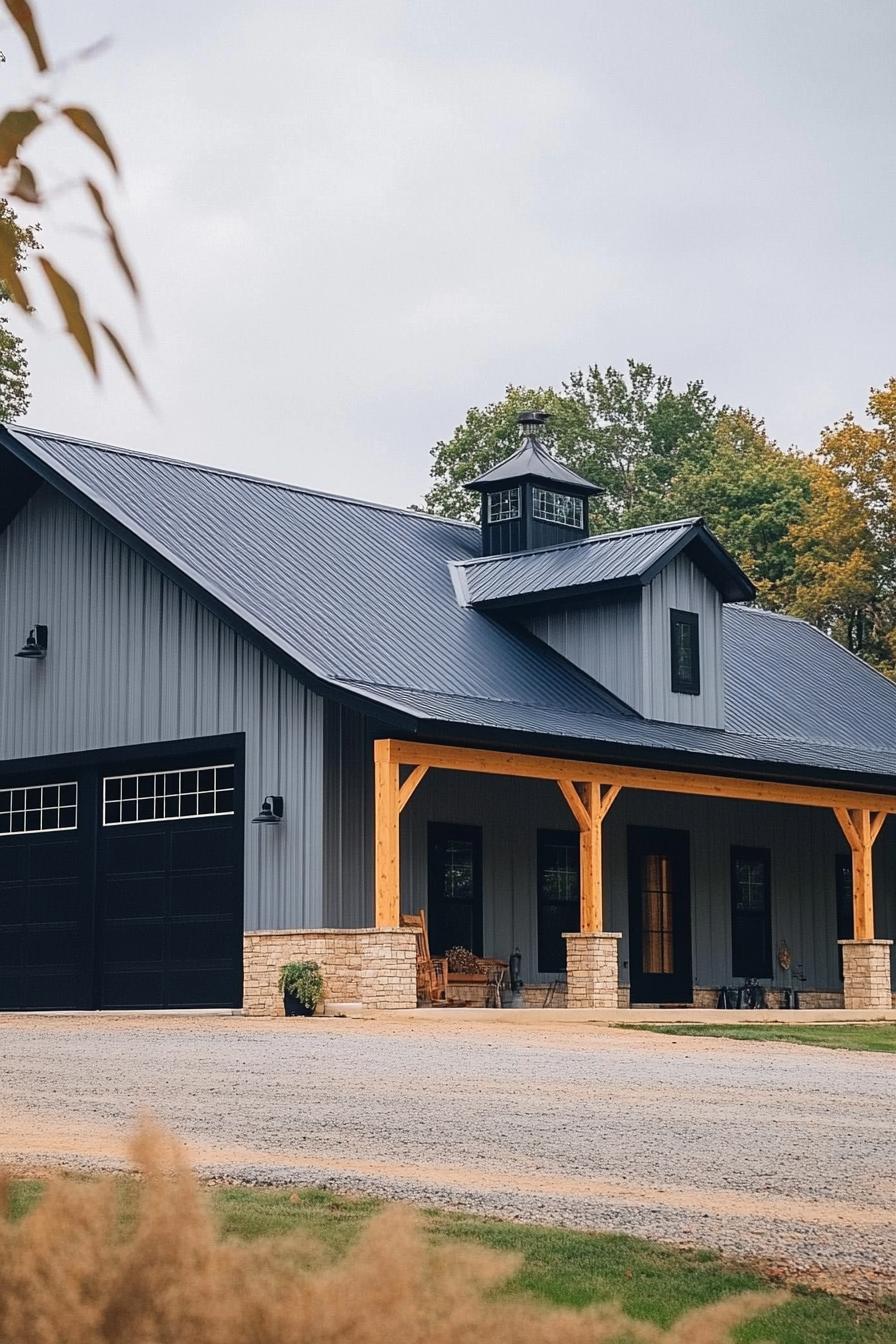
column 410, row 785
column 591, row 874
column 635, row 777
column 387, row 898
column 862, row 877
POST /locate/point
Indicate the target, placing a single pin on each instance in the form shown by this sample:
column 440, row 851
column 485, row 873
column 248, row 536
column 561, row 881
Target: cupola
column 531, row 500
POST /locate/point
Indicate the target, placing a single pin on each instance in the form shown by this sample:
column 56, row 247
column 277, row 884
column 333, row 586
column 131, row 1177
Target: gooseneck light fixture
column 271, row 813
column 35, row 645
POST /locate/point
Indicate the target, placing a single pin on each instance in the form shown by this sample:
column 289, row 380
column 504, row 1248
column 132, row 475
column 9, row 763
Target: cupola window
column 503, row 505
column 556, row 508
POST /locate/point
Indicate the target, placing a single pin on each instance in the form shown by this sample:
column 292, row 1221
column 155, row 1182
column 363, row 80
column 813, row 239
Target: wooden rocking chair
column 432, row 972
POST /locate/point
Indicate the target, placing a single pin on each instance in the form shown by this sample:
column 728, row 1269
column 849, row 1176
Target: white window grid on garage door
column 168, row 795
column 39, row 808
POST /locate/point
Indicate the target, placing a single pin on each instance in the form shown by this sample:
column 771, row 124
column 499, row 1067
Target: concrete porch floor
column 621, row 1016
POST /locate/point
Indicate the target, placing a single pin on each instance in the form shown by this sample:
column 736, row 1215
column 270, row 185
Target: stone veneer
column 592, row 970
column 374, row 967
column 866, row 973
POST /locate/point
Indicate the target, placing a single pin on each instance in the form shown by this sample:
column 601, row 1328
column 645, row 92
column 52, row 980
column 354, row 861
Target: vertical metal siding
column 604, row 640
column 683, row 586
column 134, row 659
column 803, row 843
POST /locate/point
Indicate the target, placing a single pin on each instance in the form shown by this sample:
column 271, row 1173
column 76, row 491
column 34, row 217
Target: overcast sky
column 353, row 221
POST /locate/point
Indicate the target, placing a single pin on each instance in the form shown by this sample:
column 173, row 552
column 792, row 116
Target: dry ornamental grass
column 69, row 1274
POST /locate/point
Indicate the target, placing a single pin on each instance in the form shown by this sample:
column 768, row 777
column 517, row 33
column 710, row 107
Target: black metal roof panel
column 352, row 591
column 610, row 560
column 532, row 461
column 361, row 597
column 785, row 678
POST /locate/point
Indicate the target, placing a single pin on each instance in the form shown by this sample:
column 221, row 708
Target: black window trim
column 752, row 852
column 680, row 684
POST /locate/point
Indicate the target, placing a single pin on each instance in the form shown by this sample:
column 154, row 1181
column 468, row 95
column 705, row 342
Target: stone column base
column 866, row 973
column 592, row 970
column 374, row 967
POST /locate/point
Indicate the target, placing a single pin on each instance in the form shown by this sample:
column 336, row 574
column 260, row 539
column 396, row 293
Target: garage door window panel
column 168, row 795
column 38, row 808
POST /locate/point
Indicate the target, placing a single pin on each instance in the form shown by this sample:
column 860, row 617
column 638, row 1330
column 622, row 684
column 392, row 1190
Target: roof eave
column 451, row 732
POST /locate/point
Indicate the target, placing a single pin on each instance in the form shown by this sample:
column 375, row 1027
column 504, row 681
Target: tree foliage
column 816, row 532
column 844, row 576
column 14, row 393
column 626, row 432
column 20, row 181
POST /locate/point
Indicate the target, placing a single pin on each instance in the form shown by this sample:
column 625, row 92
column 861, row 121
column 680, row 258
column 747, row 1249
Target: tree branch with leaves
column 20, row 180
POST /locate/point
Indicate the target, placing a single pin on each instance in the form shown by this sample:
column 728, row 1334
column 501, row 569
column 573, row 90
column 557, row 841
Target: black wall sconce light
column 35, row 645
column 271, row 813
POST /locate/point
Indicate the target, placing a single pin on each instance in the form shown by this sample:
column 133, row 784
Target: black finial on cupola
column 531, row 500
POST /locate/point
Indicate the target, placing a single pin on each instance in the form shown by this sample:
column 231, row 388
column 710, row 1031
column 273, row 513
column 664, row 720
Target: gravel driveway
column 779, row 1151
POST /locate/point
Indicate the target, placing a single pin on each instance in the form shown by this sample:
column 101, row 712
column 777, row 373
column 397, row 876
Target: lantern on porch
column 515, row 975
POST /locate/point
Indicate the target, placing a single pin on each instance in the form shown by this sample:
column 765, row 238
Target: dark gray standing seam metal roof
column 606, row 560
column 361, row 596
column 532, row 460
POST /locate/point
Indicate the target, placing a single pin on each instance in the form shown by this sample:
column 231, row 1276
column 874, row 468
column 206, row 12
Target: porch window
column 685, row 645
column 558, row 896
column 657, row 943
column 751, row 919
column 843, row 890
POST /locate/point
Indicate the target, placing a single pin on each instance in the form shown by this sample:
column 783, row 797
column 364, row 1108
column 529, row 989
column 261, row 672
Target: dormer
column 530, row 500
column 640, row 611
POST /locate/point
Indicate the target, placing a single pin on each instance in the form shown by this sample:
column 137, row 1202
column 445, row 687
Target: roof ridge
column 186, row 465
column 582, row 541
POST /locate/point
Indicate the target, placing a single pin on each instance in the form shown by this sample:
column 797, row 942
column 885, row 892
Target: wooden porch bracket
column 409, row 787
column 861, row 826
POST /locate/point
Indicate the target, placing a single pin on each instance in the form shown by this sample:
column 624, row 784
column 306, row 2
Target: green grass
column 879, row 1036
column 651, row 1281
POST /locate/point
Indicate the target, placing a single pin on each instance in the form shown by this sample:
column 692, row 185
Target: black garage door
column 138, row 902
column 46, row 912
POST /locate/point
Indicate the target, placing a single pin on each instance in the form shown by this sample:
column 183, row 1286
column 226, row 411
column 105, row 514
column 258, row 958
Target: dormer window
column 503, row 505
column 685, row 647
column 556, row 508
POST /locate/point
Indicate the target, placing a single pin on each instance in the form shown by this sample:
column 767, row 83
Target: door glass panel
column 457, row 870
column 657, row 944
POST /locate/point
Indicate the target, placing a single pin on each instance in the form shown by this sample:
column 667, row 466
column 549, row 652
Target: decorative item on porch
column 467, row 970
column 461, row 961
column 790, row 997
column 302, row 987
column 515, row 965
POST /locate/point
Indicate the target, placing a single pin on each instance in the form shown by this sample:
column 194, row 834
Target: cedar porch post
column 866, row 959
column 387, row 893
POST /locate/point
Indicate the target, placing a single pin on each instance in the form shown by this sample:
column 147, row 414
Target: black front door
column 659, row 884
column 454, row 887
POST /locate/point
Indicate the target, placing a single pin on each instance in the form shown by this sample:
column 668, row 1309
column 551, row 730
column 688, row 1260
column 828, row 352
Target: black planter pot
column 294, row 1007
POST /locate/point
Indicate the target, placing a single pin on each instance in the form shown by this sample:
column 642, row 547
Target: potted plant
column 302, row 986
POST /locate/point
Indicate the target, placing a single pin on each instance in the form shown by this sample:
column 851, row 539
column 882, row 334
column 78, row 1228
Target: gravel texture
column 781, row 1152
